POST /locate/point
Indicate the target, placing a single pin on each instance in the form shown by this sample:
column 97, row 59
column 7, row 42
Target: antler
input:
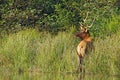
column 86, row 17
column 92, row 23
column 84, row 20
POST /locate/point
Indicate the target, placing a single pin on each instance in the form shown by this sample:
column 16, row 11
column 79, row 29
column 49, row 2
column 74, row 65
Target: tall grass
column 30, row 50
column 104, row 59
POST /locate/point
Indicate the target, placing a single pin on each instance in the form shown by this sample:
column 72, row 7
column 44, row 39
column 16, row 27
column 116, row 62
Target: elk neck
column 88, row 39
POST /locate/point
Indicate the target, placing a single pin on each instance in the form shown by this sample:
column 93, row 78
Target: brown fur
column 85, row 45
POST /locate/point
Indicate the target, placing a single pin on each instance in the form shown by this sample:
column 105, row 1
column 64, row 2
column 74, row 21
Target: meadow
column 30, row 51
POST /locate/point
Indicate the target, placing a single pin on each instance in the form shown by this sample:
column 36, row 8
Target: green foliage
column 52, row 15
column 107, row 27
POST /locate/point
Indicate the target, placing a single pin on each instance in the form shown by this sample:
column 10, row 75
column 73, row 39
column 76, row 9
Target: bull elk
column 86, row 43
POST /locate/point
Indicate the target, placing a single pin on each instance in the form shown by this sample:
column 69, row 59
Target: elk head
column 84, row 32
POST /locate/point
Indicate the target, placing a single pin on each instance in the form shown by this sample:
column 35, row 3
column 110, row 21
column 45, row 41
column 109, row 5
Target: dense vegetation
column 53, row 15
column 27, row 45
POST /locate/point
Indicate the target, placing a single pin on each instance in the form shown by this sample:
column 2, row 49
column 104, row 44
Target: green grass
column 32, row 51
column 105, row 57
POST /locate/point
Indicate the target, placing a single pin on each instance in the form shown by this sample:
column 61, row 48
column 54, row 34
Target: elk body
column 86, row 44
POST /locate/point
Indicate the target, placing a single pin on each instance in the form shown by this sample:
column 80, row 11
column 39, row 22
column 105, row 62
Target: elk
column 86, row 43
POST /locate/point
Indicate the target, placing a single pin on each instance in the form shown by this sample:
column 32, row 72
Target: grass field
column 32, row 51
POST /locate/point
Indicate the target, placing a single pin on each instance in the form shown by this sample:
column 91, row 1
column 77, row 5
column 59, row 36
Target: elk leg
column 80, row 64
column 81, row 60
